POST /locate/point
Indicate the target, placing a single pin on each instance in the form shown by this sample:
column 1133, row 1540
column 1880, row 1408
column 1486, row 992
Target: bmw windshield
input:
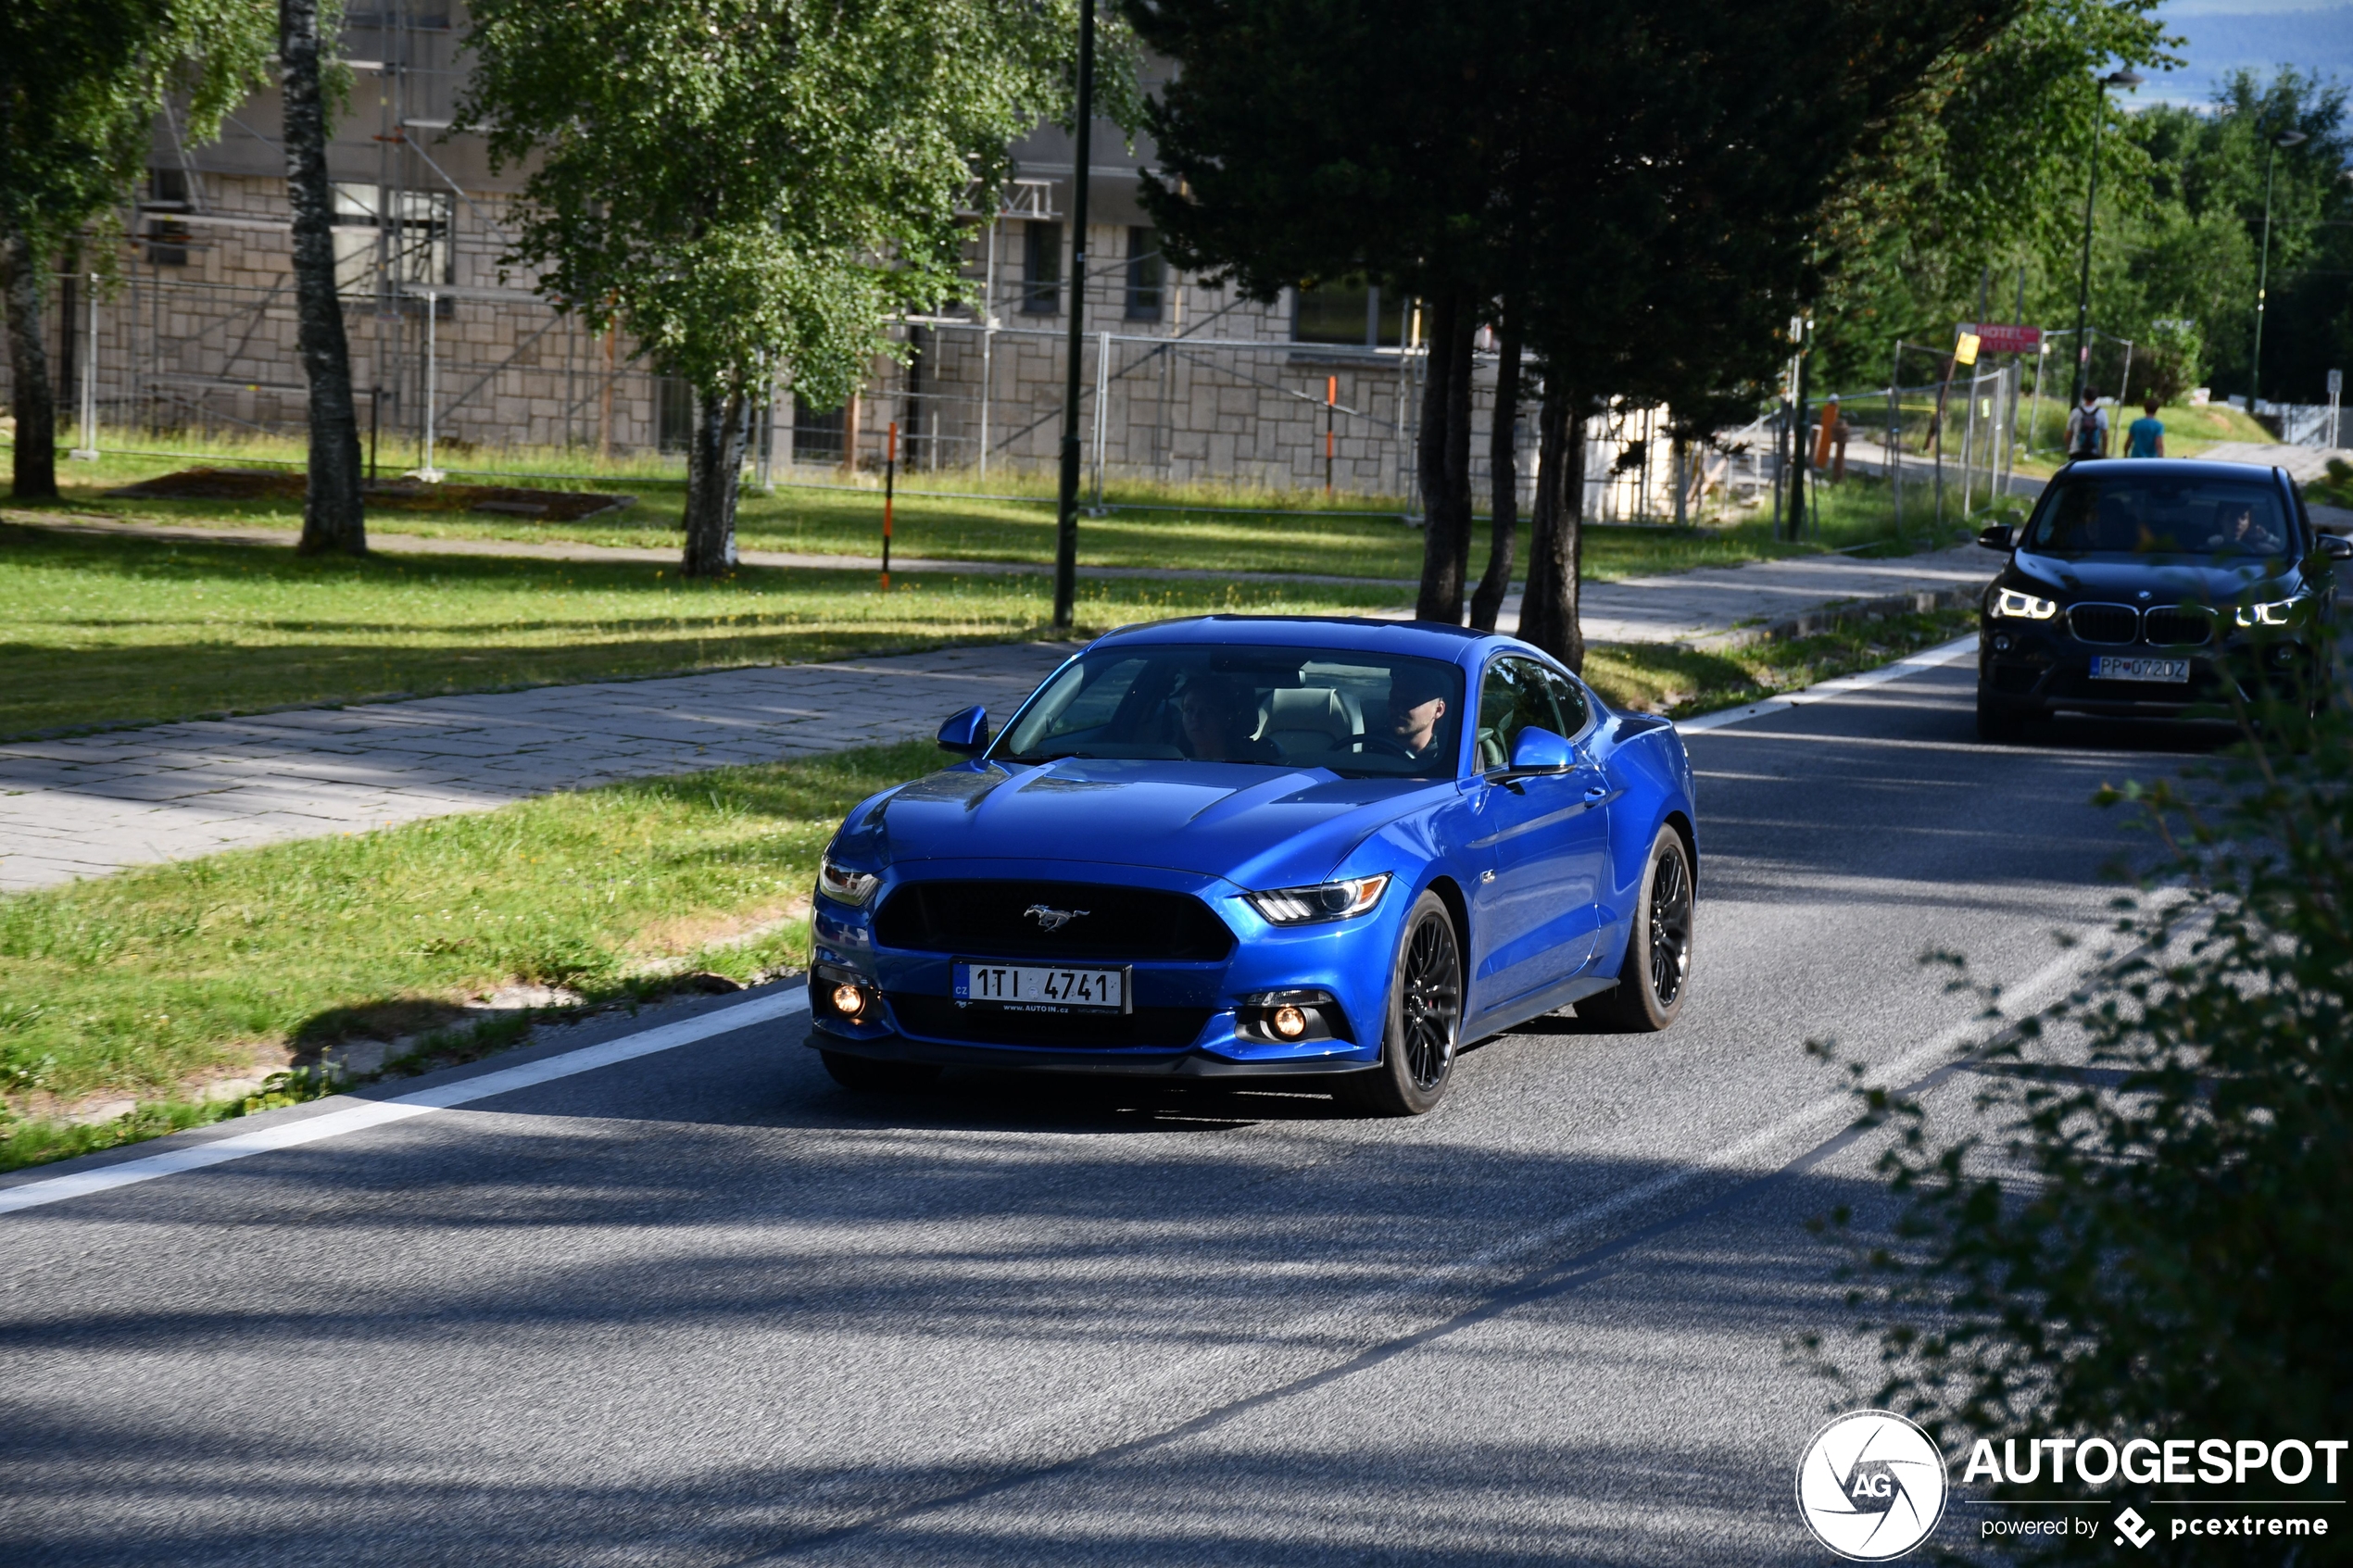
column 1361, row 715
column 2087, row 513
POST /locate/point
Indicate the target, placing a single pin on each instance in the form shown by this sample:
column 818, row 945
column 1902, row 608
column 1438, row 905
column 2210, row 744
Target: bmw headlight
column 842, row 884
column 1325, row 901
column 2014, row 606
column 2273, row 614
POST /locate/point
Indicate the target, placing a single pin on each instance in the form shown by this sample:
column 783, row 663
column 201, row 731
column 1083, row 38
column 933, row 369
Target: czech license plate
column 1029, row 986
column 2110, row 667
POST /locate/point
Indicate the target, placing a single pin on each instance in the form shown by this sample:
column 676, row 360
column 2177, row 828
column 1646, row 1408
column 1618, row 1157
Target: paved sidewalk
column 85, row 806
column 1711, row 604
column 93, row 804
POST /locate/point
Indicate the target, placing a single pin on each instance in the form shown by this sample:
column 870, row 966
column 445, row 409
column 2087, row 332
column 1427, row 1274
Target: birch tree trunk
column 1548, row 610
column 715, row 466
column 1503, row 453
column 1445, row 462
column 34, row 396
column 332, row 514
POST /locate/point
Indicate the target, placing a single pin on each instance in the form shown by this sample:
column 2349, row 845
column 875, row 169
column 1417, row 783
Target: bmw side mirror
column 2336, row 546
column 1538, row 751
column 966, row 734
column 1998, row 537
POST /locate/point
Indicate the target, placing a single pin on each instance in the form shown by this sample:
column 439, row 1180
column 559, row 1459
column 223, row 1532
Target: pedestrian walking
column 2087, row 428
column 2144, row 437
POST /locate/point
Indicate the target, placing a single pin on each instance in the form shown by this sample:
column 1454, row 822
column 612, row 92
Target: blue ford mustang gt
column 1330, row 851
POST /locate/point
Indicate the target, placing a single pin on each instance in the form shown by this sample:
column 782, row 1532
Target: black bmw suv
column 2139, row 586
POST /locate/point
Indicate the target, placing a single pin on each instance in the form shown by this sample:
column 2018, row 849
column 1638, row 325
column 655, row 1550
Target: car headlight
column 2014, row 606
column 2275, row 614
column 1325, row 901
column 843, row 885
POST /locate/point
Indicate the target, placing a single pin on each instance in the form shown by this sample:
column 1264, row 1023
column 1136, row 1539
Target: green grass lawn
column 113, row 630
column 1296, row 531
column 134, row 983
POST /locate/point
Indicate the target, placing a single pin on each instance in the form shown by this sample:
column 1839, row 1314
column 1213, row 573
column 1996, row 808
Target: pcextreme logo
column 1871, row 1485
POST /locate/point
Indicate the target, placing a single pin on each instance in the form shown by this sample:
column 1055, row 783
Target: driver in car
column 2240, row 531
column 1218, row 714
column 1416, row 703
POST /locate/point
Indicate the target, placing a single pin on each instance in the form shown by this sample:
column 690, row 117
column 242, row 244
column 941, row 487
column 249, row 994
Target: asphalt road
column 703, row 1308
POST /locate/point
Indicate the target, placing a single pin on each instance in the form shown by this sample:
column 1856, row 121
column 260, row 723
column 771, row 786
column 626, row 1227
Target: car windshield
column 2095, row 514
column 1361, row 715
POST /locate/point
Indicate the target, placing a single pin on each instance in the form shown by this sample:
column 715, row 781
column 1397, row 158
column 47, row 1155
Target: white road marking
column 376, row 1114
column 1844, row 685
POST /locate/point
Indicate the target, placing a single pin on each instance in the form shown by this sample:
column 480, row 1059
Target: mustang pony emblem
column 1050, row 919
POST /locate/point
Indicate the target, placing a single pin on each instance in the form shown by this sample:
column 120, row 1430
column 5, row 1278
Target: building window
column 1145, row 274
column 1346, row 312
column 673, row 413
column 407, row 231
column 1041, row 268
column 816, row 433
column 167, row 237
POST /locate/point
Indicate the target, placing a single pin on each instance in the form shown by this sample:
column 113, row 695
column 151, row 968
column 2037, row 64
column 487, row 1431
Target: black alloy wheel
column 1425, row 1019
column 1657, row 969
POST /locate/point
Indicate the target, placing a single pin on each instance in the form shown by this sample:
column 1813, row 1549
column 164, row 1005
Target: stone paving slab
column 87, row 806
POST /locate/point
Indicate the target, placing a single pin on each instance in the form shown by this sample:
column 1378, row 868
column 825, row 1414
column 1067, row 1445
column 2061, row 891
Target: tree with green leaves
column 80, row 82
column 753, row 188
column 1638, row 183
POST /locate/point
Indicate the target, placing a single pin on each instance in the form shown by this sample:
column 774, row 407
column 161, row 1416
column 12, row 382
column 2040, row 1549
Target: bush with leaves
column 2142, row 1232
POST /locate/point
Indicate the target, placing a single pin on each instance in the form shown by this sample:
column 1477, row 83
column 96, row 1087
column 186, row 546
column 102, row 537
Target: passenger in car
column 1218, row 714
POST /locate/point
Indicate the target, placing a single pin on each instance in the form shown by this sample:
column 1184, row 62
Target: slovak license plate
column 2110, row 667
column 1031, row 986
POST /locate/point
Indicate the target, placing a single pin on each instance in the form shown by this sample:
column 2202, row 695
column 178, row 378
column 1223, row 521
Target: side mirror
column 1540, row 751
column 966, row 734
column 1998, row 537
column 2336, row 546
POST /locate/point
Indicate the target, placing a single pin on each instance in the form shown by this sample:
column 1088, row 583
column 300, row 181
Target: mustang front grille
column 1051, row 919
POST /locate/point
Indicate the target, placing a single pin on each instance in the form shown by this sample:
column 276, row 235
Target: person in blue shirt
column 2144, row 437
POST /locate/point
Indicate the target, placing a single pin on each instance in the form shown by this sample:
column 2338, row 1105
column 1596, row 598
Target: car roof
column 2180, row 468
column 1422, row 639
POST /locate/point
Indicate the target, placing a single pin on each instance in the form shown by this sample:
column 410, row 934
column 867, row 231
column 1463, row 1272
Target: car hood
column 1257, row 826
column 2123, row 581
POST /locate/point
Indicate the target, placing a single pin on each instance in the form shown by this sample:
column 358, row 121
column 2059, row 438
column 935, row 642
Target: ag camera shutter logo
column 1871, row 1485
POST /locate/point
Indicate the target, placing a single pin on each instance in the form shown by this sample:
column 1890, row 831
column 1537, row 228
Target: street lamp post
column 1066, row 513
column 2263, row 270
column 2128, row 80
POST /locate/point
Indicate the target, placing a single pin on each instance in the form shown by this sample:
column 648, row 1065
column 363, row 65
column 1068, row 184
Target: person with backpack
column 2087, row 428
column 2144, row 437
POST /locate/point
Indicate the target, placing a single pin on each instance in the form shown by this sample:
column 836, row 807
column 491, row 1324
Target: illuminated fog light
column 1289, row 1022
column 848, row 1000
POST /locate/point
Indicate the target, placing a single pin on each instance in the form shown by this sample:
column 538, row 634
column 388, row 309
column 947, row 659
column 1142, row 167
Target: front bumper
column 2036, row 668
column 1186, row 1019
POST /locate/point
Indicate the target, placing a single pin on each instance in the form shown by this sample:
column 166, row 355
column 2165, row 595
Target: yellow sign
column 1965, row 351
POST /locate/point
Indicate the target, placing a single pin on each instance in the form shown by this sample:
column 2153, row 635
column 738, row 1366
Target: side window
column 1570, row 697
column 1513, row 696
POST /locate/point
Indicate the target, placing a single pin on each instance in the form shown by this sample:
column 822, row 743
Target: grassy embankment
column 820, row 514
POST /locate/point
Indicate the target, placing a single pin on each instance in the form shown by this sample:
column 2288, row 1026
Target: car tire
column 864, row 1075
column 1422, row 1028
column 1997, row 725
column 1656, row 974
